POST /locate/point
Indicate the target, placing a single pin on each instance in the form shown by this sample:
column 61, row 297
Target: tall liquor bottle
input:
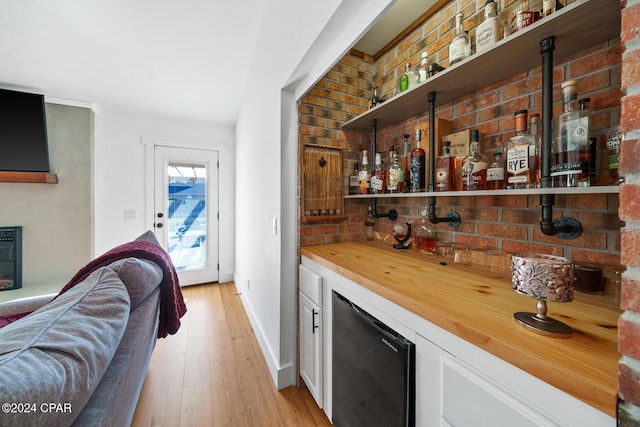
column 375, row 99
column 378, row 177
column 460, row 46
column 474, row 166
column 523, row 15
column 423, row 70
column 395, row 176
column 523, row 156
column 417, row 167
column 404, row 158
column 495, row 172
column 363, row 174
column 445, row 169
column 571, row 154
column 491, row 30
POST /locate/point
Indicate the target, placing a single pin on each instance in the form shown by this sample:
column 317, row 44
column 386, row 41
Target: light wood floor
column 212, row 373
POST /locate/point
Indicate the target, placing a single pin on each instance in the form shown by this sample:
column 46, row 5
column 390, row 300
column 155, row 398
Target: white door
column 186, row 211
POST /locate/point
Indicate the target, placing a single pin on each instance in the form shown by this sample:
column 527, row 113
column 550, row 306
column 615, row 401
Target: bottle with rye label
column 571, row 151
column 523, row 15
column 445, row 170
column 474, row 166
column 523, row 156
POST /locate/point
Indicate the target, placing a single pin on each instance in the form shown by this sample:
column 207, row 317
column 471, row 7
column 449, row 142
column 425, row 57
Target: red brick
column 628, row 331
column 630, row 24
column 630, row 68
column 630, row 247
column 526, row 247
column 596, row 61
column 628, row 380
column 630, row 157
column 630, row 202
column 630, row 294
column 504, row 231
column 630, row 118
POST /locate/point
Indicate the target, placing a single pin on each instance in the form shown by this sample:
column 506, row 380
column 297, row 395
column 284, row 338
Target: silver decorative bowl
column 545, row 278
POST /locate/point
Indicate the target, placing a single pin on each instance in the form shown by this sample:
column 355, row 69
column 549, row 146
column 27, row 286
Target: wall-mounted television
column 23, row 132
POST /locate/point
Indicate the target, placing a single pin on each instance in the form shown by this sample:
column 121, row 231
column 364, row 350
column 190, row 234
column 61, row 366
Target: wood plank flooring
column 212, row 373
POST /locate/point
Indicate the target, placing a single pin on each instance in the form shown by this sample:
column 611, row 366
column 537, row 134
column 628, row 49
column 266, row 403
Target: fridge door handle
column 314, row 313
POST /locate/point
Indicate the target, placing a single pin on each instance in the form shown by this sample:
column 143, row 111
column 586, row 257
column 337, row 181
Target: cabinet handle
column 314, row 313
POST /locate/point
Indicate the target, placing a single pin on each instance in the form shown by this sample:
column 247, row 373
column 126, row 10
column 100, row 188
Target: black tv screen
column 23, row 132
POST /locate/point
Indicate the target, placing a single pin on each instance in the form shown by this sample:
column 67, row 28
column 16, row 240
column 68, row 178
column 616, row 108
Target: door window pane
column 187, row 215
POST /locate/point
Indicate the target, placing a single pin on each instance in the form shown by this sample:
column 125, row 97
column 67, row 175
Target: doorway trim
column 226, row 203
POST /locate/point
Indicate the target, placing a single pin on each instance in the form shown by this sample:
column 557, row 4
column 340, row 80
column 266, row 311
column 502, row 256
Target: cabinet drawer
column 310, row 284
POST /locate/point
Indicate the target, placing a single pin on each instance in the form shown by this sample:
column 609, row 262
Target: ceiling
column 189, row 59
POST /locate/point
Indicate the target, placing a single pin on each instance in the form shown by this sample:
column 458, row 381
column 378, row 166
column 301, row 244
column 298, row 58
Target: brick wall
column 629, row 324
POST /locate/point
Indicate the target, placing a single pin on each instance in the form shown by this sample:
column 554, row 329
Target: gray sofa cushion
column 59, row 353
column 140, row 277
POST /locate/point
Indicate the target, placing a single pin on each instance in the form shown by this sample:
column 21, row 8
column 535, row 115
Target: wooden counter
column 478, row 307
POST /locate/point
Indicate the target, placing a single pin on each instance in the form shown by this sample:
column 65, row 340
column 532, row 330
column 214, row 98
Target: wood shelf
column 575, row 27
column 29, row 177
column 611, row 189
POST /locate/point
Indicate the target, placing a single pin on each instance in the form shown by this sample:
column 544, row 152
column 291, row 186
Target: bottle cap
column 569, row 83
column 446, row 144
column 475, row 135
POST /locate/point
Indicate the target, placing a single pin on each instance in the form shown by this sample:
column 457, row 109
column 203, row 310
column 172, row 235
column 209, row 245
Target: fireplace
column 10, row 258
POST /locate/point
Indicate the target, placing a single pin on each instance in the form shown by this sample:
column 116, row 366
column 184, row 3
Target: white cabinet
column 310, row 304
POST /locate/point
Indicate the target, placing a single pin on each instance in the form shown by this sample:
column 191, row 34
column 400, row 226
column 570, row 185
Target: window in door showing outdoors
column 187, row 215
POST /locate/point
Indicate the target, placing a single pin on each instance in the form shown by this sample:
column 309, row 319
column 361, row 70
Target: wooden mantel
column 29, row 177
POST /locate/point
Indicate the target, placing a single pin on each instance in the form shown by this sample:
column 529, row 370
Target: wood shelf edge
column 323, row 218
column 29, row 177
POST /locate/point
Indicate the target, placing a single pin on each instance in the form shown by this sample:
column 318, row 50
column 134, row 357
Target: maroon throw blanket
column 172, row 306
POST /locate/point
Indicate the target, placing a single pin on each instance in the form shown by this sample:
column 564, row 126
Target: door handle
column 314, row 313
column 158, row 225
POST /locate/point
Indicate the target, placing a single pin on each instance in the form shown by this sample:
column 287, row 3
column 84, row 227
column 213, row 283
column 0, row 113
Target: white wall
column 120, row 176
column 266, row 155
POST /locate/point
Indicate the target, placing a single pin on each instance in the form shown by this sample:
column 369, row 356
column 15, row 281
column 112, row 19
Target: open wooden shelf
column 578, row 26
column 29, row 177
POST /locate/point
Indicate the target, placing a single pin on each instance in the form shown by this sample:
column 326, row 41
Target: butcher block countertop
column 478, row 307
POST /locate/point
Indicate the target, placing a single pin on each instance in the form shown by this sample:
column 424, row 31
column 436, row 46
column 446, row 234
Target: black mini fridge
column 373, row 370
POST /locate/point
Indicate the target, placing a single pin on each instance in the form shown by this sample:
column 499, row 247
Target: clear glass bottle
column 369, row 226
column 425, row 233
column 495, row 172
column 523, row 15
column 363, row 175
column 375, row 99
column 460, row 46
column 571, row 153
column 395, row 176
column 523, row 156
column 378, row 177
column 354, row 180
column 614, row 139
column 491, row 30
column 535, row 130
column 445, row 169
column 417, row 167
column 423, row 70
column 404, row 160
column 474, row 166
column 407, row 79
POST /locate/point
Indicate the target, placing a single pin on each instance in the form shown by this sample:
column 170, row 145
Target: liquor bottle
column 460, row 46
column 404, row 159
column 548, row 7
column 364, row 176
column 375, row 99
column 491, row 30
column 614, row 138
column 523, row 156
column 395, row 176
column 495, row 172
column 446, row 169
column 523, row 16
column 425, row 233
column 378, row 177
column 571, row 155
column 417, row 167
column 423, row 70
column 535, row 130
column 407, row 79
column 474, row 166
column 354, row 180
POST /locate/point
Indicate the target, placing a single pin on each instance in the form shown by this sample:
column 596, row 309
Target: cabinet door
column 311, row 346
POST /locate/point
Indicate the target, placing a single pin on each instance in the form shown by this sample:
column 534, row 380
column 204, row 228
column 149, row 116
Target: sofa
column 80, row 358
